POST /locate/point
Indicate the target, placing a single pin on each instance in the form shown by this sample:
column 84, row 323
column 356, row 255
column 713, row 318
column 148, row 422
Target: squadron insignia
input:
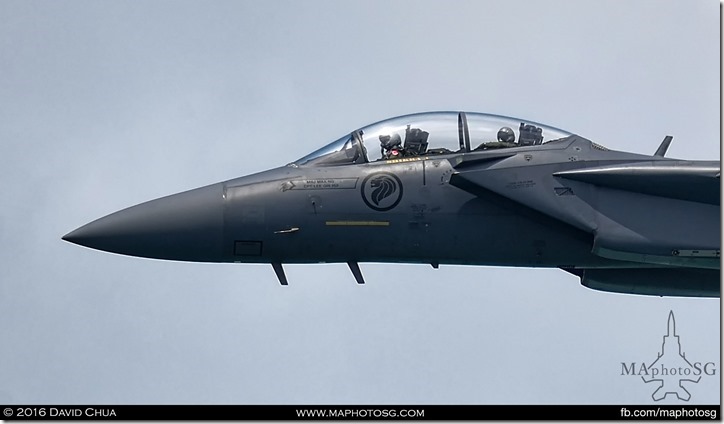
column 381, row 191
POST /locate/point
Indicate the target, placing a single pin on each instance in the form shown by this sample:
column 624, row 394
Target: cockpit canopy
column 429, row 134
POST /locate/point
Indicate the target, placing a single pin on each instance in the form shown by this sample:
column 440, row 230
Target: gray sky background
column 106, row 104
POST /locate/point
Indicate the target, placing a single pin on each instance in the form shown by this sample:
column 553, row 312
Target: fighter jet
column 451, row 188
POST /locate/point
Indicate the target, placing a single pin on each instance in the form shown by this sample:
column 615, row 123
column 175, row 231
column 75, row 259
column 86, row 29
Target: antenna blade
column 354, row 267
column 279, row 271
column 661, row 151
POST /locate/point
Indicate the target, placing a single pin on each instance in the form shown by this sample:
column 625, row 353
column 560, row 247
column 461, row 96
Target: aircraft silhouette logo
column 672, row 372
column 671, row 358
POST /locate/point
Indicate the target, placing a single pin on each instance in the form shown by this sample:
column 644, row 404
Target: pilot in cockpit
column 506, row 138
column 391, row 146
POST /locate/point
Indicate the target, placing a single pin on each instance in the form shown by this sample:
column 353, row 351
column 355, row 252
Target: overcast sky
column 106, row 104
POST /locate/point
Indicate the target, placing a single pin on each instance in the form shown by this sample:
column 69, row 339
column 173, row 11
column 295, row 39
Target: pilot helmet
column 390, row 141
column 506, row 135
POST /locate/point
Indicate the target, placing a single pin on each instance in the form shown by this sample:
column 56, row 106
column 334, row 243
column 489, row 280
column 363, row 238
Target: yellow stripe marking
column 358, row 223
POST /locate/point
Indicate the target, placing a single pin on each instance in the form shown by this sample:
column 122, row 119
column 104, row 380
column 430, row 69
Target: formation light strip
column 358, row 223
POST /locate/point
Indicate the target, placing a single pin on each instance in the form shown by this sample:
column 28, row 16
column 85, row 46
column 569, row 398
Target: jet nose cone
column 186, row 226
column 74, row 236
column 69, row 237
